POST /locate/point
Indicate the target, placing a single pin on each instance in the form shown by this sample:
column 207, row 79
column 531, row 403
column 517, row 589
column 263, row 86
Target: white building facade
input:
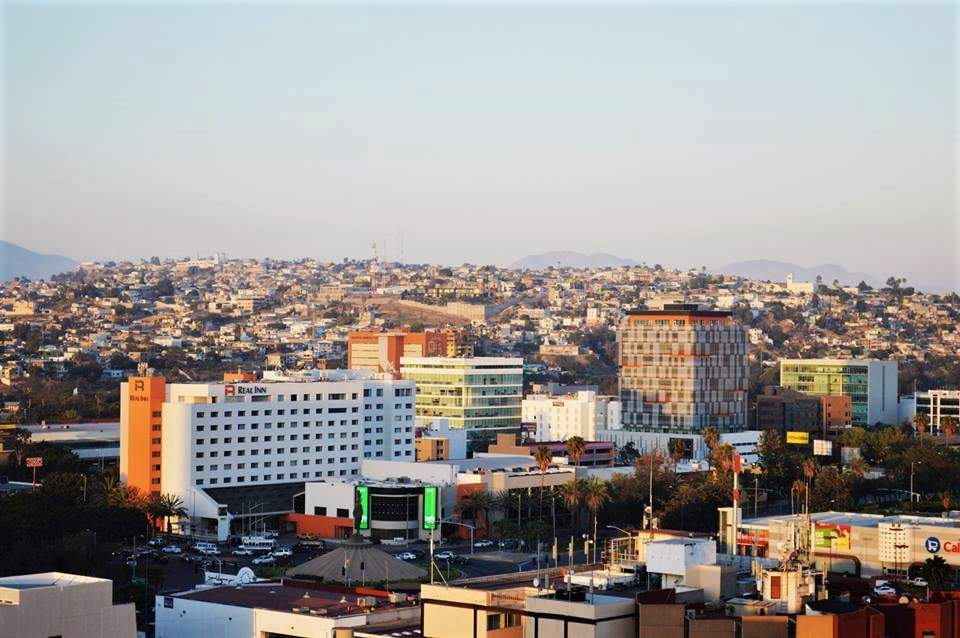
column 560, row 417
column 283, row 430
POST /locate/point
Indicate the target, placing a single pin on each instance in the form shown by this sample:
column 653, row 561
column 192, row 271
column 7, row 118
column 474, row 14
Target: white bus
column 257, row 543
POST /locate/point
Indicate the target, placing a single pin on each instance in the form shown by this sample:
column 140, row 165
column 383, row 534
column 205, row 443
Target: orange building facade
column 141, row 433
column 381, row 351
column 836, row 411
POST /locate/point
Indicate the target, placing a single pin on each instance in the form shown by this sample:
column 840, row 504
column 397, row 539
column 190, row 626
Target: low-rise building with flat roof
column 288, row 608
column 64, row 605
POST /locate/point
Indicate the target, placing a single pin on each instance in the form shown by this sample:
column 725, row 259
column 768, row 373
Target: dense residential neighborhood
column 197, row 317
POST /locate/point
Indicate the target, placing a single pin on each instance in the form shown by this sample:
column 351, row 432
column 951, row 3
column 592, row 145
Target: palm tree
column 797, row 488
column 118, row 494
column 711, row 437
column 596, row 495
column 572, row 494
column 920, row 421
column 155, row 510
column 483, row 502
column 937, row 573
column 677, row 449
column 949, row 426
column 465, row 507
column 576, row 447
column 809, row 470
column 543, row 457
column 859, row 467
column 172, row 507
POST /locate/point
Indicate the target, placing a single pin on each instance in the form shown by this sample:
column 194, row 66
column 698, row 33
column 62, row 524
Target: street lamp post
column 912, row 493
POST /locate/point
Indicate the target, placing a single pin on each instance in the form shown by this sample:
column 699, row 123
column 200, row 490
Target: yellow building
column 433, row 448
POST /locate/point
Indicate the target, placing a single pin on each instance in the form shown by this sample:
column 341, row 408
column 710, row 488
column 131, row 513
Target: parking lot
column 184, row 570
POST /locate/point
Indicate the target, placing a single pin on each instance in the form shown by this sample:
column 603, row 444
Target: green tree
column 949, row 426
column 572, row 494
column 830, row 491
column 937, row 572
column 576, row 447
column 595, row 495
column 544, row 457
column 920, row 422
column 711, row 437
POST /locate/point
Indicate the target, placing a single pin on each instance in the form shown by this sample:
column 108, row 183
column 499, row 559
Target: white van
column 206, row 548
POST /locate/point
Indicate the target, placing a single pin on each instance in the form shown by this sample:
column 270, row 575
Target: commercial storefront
column 859, row 544
column 377, row 509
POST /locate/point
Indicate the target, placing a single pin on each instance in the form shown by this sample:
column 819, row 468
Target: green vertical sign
column 430, row 493
column 363, row 495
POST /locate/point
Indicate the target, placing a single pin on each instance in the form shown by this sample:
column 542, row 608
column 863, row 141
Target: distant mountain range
column 571, row 259
column 17, row 261
column 767, row 270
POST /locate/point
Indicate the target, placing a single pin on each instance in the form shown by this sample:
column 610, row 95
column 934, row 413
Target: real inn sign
column 232, row 389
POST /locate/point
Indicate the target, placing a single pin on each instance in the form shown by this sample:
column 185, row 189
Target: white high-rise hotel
column 245, row 448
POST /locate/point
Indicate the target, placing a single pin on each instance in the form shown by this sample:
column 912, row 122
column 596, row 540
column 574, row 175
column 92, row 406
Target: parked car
column 155, row 542
column 131, row 562
column 281, row 553
column 507, row 543
column 209, row 551
column 446, row 555
column 264, row 560
column 460, row 560
column 407, row 556
column 483, row 543
column 918, row 582
column 884, row 590
column 172, row 549
column 242, row 551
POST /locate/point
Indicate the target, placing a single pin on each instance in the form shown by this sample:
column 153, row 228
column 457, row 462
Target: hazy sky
column 684, row 135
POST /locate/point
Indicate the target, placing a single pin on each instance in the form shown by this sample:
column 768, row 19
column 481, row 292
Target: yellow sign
column 802, row 438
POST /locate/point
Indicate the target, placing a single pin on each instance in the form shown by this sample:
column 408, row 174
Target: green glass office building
column 482, row 395
column 871, row 384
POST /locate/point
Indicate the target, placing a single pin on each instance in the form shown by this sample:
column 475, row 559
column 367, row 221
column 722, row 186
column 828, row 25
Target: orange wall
column 144, row 398
column 835, row 411
column 239, row 377
column 391, row 345
column 323, row 526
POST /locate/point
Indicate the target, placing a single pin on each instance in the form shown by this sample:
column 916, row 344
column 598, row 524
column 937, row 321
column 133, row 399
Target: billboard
column 431, row 494
column 800, row 438
column 363, row 500
column 831, row 536
column 822, row 447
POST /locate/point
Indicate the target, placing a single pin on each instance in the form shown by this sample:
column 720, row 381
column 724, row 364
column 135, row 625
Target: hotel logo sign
column 232, row 389
column 932, row 544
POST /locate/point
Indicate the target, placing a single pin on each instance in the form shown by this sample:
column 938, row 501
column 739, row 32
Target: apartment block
column 682, row 369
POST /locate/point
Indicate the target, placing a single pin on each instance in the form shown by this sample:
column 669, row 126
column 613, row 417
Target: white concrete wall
column 431, row 473
column 196, row 619
column 330, row 494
